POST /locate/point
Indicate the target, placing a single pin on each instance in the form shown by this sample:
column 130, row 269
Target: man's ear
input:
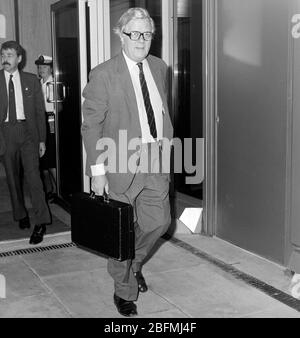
column 19, row 58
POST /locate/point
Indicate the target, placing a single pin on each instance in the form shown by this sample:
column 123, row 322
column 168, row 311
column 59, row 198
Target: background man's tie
column 148, row 106
column 12, row 113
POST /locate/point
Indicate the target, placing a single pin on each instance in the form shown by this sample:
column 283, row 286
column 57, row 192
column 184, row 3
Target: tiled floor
column 72, row 283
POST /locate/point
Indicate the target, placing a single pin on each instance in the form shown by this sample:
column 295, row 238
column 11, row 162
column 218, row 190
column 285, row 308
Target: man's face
column 44, row 71
column 137, row 50
column 10, row 60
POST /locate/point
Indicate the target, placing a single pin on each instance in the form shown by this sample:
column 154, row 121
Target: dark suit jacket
column 110, row 106
column 34, row 107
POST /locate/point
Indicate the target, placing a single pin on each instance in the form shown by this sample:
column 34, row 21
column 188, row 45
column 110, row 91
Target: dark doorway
column 188, row 120
column 65, row 39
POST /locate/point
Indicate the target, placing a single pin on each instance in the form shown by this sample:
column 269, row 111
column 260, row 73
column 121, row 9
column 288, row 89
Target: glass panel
column 66, row 46
column 188, row 106
column 118, row 7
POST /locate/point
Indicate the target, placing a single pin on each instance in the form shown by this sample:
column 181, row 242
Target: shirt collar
column 15, row 74
column 132, row 65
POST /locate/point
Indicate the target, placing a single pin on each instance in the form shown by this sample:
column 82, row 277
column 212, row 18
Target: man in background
column 23, row 129
column 48, row 161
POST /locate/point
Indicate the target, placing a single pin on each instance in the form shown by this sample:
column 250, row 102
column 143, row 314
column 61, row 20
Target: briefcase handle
column 105, row 196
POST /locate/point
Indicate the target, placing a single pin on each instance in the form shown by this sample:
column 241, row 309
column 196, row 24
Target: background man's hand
column 42, row 149
column 99, row 183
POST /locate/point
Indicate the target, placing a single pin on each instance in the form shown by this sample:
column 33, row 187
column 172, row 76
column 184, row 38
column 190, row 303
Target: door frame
column 210, row 113
column 100, row 40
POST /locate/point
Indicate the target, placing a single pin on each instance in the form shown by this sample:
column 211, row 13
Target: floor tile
column 205, row 292
column 168, row 257
column 279, row 311
column 39, row 306
column 90, row 294
column 176, row 313
column 258, row 267
column 85, row 294
column 63, row 261
column 21, row 281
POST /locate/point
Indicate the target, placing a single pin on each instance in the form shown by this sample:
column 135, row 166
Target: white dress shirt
column 18, row 94
column 155, row 99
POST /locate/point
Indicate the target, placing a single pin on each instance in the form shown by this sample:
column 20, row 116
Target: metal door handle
column 50, row 98
column 59, row 99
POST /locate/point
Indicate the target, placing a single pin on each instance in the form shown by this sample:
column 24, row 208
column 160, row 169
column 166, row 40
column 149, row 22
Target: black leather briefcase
column 103, row 226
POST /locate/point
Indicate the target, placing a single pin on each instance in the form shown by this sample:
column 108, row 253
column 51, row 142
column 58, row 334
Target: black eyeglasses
column 135, row 36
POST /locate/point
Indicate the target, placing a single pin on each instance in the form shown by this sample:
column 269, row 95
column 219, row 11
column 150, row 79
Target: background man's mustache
column 5, row 63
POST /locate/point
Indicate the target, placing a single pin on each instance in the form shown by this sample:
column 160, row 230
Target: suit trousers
column 149, row 195
column 22, row 151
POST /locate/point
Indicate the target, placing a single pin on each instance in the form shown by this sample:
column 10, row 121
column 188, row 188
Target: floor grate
column 28, row 251
column 271, row 291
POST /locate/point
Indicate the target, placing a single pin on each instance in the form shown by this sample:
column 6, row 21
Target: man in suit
column 129, row 93
column 23, row 134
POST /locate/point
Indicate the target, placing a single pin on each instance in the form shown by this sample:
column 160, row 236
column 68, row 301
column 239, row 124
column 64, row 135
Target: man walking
column 23, row 134
column 129, row 93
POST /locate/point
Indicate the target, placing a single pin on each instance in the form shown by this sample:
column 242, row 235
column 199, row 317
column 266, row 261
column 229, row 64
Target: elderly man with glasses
column 128, row 95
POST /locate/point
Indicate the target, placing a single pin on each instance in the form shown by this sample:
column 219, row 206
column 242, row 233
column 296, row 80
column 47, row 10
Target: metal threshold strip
column 240, row 275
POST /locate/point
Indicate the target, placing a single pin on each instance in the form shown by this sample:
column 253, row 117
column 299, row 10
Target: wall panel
column 253, row 124
column 35, row 29
column 7, row 20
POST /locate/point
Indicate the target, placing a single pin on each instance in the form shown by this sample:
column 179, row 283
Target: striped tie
column 12, row 114
column 148, row 106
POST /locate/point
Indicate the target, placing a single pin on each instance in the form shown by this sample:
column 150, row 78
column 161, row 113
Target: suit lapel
column 158, row 81
column 126, row 83
column 3, row 96
column 23, row 85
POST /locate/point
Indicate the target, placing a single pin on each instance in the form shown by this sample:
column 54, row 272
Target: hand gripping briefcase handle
column 103, row 225
column 105, row 196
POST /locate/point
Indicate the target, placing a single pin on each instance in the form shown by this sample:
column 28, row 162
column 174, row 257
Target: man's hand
column 42, row 149
column 99, row 183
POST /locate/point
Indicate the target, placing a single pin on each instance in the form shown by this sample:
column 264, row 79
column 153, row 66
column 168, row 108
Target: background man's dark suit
column 30, row 135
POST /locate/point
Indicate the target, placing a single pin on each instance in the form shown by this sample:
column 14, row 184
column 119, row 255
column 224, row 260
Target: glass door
column 66, row 39
column 188, row 79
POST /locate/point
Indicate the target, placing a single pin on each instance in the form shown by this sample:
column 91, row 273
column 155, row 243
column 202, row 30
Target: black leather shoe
column 38, row 234
column 51, row 197
column 125, row 307
column 141, row 281
column 24, row 223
